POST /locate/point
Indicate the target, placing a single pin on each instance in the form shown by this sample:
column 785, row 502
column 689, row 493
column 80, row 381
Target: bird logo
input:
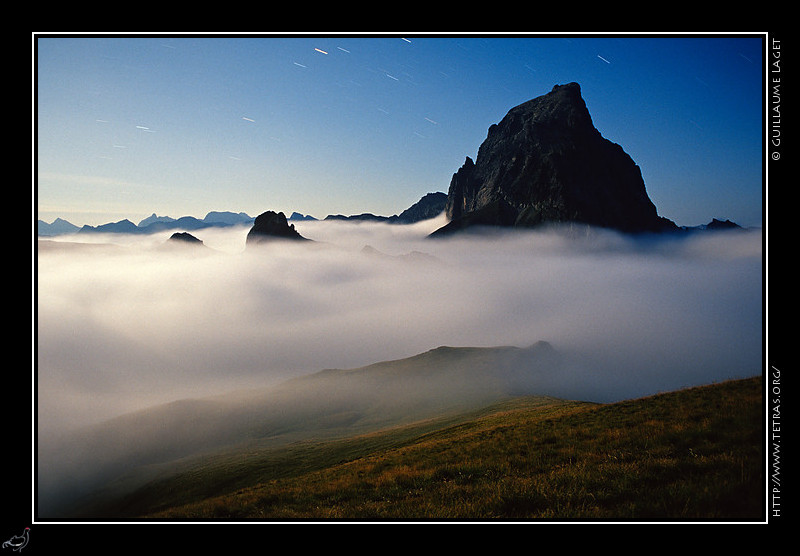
column 18, row 542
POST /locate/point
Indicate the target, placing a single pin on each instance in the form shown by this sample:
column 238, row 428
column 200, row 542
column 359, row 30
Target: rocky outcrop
column 429, row 206
column 184, row 243
column 545, row 162
column 299, row 216
column 722, row 225
column 184, row 238
column 270, row 226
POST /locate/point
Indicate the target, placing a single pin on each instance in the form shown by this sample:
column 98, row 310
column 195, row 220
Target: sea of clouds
column 126, row 322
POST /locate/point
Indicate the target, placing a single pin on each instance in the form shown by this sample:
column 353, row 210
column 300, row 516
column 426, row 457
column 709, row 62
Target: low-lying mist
column 126, row 322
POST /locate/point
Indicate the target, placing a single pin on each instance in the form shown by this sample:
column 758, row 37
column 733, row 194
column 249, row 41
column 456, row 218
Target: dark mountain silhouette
column 429, row 206
column 184, row 237
column 364, row 217
column 153, row 218
column 185, row 243
column 227, row 218
column 545, row 162
column 269, row 226
column 182, row 223
column 299, row 216
column 122, row 227
column 722, row 225
column 58, row 227
column 149, row 225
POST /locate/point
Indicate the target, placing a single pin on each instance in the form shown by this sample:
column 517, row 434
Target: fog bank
column 124, row 323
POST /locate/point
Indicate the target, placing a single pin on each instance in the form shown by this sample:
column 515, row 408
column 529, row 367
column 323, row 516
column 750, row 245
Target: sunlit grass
column 694, row 454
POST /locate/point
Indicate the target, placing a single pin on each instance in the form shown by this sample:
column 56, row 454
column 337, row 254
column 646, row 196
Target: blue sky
column 179, row 125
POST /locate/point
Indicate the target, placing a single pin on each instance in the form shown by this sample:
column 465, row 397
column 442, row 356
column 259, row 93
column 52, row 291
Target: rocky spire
column 270, row 226
column 545, row 162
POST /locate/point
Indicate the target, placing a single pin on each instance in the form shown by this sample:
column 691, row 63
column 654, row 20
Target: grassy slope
column 694, row 454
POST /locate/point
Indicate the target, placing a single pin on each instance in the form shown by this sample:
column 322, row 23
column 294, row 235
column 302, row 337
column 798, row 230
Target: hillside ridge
column 524, row 458
column 326, row 404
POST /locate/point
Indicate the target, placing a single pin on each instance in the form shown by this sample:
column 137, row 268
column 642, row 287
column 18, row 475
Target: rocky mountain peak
column 271, row 225
column 545, row 162
column 562, row 109
column 184, row 237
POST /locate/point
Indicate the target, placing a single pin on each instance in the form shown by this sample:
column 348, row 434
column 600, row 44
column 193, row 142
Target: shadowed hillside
column 688, row 455
column 693, row 454
column 326, row 405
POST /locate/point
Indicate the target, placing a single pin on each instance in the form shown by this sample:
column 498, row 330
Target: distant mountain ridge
column 58, row 227
column 149, row 225
column 429, row 206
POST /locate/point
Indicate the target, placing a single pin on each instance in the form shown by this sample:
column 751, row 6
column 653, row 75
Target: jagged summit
column 272, row 225
column 545, row 162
